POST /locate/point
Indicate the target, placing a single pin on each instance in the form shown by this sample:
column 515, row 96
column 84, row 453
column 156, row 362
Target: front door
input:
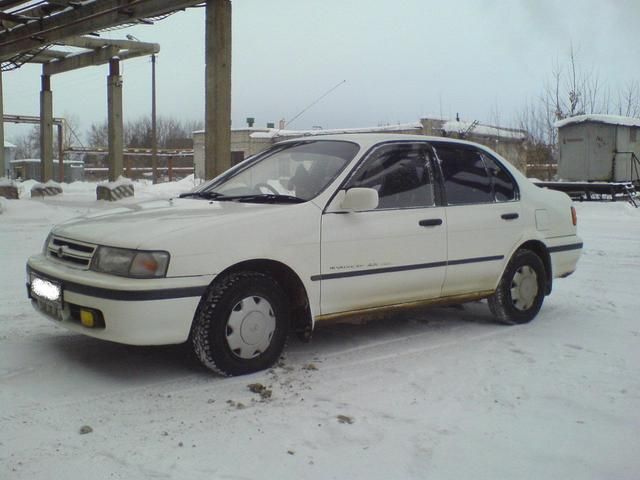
column 394, row 254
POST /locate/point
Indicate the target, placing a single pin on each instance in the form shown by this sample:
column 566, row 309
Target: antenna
column 314, row 102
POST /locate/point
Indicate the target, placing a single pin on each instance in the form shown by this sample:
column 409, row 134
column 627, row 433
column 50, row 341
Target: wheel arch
column 289, row 280
column 540, row 249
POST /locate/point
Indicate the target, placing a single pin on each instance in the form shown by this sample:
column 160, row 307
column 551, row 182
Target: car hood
column 146, row 224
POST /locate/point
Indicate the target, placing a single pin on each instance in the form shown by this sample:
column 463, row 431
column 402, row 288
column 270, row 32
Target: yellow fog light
column 87, row 318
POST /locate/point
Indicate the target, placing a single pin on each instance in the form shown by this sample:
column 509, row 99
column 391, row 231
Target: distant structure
column 508, row 142
column 31, row 168
column 248, row 141
column 599, row 148
column 9, row 154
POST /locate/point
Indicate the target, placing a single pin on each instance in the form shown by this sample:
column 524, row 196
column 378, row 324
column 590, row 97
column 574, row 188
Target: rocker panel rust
column 372, row 313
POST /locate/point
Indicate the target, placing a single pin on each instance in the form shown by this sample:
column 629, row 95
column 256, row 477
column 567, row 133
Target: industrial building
column 245, row 142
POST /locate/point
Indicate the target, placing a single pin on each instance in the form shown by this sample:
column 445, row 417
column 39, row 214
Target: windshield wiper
column 208, row 195
column 266, row 198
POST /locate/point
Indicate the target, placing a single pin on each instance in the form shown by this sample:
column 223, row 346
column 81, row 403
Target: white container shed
column 602, row 148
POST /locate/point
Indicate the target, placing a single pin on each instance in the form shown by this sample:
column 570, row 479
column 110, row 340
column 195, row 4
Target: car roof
column 366, row 140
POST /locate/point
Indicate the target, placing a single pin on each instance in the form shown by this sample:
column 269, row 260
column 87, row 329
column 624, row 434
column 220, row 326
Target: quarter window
column 504, row 188
column 401, row 173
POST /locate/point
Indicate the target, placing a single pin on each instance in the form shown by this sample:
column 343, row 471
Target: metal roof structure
column 29, row 29
column 33, row 31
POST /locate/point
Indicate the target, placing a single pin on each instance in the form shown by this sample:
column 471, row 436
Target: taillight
column 574, row 216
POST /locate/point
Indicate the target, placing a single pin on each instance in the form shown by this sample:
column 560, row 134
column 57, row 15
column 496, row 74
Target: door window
column 401, row 173
column 466, row 179
column 471, row 176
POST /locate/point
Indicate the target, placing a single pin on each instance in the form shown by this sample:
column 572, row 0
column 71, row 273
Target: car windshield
column 290, row 172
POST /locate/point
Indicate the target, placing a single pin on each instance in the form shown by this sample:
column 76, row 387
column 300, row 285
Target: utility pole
column 154, row 132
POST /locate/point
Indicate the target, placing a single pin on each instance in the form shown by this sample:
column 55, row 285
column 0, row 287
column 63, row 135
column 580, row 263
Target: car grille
column 71, row 252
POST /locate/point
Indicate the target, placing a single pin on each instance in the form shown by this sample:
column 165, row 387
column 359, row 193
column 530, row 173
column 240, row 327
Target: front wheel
column 241, row 325
column 521, row 290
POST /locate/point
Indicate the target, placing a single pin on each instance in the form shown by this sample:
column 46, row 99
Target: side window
column 401, row 173
column 504, row 188
column 466, row 179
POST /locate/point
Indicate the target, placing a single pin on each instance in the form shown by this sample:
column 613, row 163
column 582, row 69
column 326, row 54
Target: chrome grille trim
column 72, row 252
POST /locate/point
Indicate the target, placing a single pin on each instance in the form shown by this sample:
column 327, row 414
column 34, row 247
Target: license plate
column 48, row 294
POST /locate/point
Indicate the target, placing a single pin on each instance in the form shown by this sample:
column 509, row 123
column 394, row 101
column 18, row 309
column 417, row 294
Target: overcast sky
column 401, row 59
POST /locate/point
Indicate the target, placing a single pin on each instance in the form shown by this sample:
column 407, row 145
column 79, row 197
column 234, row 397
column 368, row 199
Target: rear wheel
column 241, row 325
column 521, row 290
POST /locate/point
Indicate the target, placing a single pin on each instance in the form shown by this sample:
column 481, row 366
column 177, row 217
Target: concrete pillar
column 46, row 130
column 114, row 119
column 3, row 167
column 218, row 88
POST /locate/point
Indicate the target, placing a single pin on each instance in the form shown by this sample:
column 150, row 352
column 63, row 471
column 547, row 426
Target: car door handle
column 509, row 216
column 430, row 222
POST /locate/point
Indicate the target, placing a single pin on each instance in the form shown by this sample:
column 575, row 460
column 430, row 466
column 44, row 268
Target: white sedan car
column 315, row 229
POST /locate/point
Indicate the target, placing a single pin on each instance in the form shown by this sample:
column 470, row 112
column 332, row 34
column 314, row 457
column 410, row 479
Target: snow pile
column 484, row 130
column 119, row 182
column 608, row 119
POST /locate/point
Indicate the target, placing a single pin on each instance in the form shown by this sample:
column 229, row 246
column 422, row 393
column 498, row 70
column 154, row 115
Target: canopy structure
column 64, row 35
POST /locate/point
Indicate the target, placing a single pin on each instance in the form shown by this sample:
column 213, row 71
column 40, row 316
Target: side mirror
column 354, row 200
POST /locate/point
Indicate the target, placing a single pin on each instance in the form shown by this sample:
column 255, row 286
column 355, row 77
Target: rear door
column 483, row 216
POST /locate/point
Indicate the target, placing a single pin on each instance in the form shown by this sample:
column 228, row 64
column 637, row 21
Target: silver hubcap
column 524, row 288
column 250, row 327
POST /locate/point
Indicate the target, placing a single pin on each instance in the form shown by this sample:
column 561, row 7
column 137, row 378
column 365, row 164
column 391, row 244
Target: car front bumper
column 131, row 311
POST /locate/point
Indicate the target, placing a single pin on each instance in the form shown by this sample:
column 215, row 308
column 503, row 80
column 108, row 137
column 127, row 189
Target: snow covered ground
column 445, row 394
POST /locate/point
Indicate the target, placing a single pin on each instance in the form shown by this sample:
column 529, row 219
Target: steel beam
column 46, row 130
column 84, row 19
column 218, row 88
column 114, row 119
column 30, row 119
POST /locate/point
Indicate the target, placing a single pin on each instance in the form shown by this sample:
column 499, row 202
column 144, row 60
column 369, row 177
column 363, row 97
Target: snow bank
column 608, row 119
column 441, row 394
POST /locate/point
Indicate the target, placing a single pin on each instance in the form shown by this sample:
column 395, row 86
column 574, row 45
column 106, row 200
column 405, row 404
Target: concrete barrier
column 114, row 191
column 48, row 189
column 10, row 192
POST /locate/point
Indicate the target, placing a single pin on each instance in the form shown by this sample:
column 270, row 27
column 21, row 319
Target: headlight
column 130, row 263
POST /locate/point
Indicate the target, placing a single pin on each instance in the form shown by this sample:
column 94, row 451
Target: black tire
column 524, row 303
column 225, row 320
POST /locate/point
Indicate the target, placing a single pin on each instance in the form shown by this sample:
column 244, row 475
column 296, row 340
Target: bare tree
column 574, row 90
